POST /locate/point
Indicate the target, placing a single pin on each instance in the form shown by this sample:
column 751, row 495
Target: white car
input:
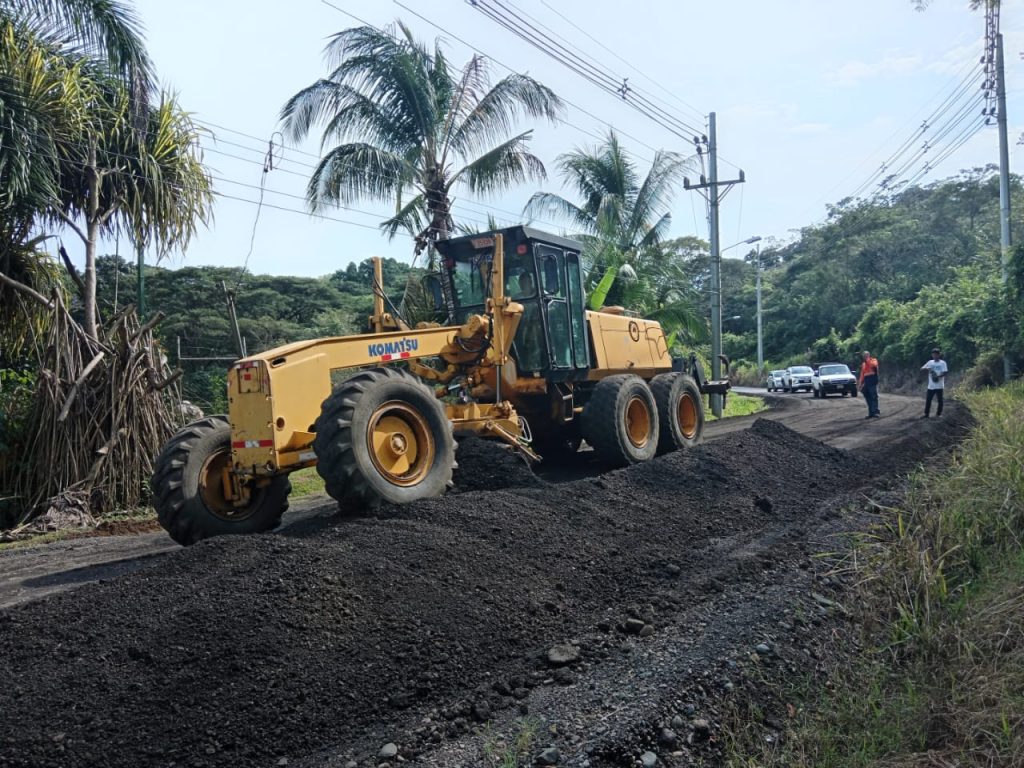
column 774, row 382
column 796, row 378
column 831, row 378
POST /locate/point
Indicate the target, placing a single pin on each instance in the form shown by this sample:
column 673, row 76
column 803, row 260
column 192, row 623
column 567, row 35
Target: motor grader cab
column 520, row 360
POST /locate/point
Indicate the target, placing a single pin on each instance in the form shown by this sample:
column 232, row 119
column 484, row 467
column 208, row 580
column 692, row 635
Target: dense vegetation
column 272, row 310
column 896, row 275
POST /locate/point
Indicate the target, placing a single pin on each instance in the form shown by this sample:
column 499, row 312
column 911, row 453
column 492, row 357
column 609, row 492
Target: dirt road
column 34, row 573
column 609, row 617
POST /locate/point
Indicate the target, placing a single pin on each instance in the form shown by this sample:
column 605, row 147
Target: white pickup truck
column 797, row 377
column 833, row 378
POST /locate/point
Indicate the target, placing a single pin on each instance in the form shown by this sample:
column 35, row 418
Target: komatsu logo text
column 401, row 347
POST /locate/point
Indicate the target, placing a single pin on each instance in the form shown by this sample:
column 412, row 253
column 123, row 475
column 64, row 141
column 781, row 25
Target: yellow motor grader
column 520, row 359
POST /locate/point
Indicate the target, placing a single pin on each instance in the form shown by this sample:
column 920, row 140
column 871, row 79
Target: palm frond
column 508, row 163
column 355, row 171
column 105, row 29
column 411, row 217
column 656, row 192
column 550, row 205
column 494, row 116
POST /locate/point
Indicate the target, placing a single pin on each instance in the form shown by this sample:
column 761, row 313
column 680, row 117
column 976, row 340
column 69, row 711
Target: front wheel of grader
column 189, row 492
column 383, row 436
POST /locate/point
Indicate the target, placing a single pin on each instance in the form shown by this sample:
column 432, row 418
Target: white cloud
column 811, row 128
column 852, row 73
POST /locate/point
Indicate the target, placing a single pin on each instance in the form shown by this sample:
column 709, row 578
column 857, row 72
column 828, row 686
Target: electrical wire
column 493, row 10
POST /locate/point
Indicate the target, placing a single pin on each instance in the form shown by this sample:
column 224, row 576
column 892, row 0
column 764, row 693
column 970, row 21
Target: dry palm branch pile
column 101, row 410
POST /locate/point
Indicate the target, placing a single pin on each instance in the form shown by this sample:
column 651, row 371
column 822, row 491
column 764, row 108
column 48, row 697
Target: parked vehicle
column 796, row 378
column 774, row 381
column 832, row 378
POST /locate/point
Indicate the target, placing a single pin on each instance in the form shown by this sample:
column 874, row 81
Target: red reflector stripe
column 247, row 376
column 400, row 355
column 252, row 443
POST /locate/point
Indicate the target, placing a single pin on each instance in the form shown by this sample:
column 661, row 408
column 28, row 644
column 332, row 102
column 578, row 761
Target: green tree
column 146, row 180
column 411, row 128
column 622, row 221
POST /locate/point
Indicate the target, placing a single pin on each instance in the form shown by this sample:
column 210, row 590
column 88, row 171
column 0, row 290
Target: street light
column 748, row 241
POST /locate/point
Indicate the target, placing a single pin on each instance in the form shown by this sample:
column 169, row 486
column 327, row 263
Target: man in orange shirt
column 869, row 384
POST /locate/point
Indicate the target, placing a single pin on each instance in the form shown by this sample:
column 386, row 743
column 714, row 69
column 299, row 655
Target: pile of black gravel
column 253, row 651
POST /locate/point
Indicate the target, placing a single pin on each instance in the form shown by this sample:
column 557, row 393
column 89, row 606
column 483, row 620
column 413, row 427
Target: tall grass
column 941, row 589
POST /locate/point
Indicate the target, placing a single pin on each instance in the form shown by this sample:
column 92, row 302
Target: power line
column 514, row 71
column 578, row 28
column 609, row 83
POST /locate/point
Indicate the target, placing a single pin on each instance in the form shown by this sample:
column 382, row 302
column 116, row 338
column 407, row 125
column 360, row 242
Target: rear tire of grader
column 680, row 411
column 188, row 489
column 383, row 436
column 620, row 421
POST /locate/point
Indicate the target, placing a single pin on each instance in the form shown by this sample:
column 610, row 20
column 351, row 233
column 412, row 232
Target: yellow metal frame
column 274, row 398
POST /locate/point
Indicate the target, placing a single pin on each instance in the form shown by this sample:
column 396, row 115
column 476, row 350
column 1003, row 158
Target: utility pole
column 233, row 316
column 711, row 184
column 760, row 345
column 1004, row 180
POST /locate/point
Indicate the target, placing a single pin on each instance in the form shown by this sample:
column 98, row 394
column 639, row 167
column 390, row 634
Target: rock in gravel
column 678, row 722
column 668, row 738
column 701, row 728
column 564, row 676
column 633, row 626
column 481, row 711
column 648, row 760
column 388, row 751
column 763, row 648
column 549, row 756
column 646, row 631
column 673, row 570
column 560, row 655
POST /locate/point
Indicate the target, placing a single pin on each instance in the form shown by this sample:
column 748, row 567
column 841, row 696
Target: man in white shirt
column 937, row 370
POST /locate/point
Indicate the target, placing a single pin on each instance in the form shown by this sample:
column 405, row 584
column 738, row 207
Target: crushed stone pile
column 487, row 465
column 250, row 651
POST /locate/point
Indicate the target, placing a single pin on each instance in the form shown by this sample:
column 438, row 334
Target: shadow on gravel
column 343, row 633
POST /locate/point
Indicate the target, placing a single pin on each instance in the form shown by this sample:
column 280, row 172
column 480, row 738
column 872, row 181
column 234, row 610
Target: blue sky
column 811, row 96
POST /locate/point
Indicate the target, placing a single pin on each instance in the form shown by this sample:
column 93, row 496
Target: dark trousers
column 937, row 394
column 870, row 391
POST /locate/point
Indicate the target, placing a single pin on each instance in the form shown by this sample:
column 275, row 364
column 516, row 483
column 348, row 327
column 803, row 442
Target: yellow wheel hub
column 400, row 443
column 215, row 487
column 638, row 422
column 687, row 416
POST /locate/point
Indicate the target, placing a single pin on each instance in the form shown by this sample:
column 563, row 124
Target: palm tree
column 48, row 49
column 622, row 221
column 410, row 128
column 101, row 30
column 141, row 177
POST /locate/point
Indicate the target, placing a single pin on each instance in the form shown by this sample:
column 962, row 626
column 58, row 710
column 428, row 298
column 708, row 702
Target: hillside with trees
column 896, row 275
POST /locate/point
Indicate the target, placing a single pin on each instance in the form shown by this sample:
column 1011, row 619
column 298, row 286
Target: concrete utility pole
column 711, row 184
column 1004, row 179
column 760, row 344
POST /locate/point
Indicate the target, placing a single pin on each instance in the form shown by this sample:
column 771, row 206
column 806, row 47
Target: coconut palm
column 102, row 30
column 622, row 221
column 410, row 128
